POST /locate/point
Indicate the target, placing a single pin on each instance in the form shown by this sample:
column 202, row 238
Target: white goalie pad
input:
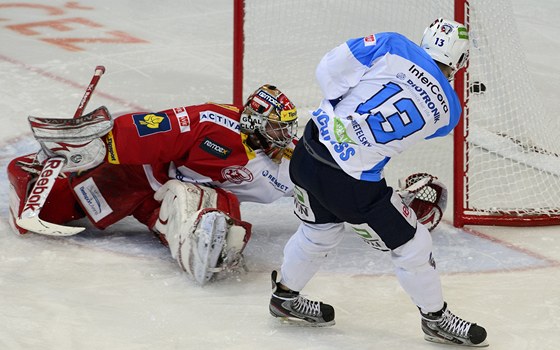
column 203, row 239
column 200, row 250
column 214, row 246
column 426, row 195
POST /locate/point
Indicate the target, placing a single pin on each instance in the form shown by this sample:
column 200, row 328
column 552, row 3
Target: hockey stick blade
column 29, row 218
column 34, row 224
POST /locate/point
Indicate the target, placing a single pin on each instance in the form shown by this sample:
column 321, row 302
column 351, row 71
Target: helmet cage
column 272, row 114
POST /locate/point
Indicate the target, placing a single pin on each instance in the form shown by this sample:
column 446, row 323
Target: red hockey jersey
column 199, row 144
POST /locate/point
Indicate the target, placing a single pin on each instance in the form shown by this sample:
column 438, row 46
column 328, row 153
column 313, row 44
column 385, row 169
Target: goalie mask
column 271, row 118
column 447, row 42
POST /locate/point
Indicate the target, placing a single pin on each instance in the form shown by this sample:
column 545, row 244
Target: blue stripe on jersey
column 398, row 44
column 375, row 173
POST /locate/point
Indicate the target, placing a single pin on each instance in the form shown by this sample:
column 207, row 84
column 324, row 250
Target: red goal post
column 502, row 160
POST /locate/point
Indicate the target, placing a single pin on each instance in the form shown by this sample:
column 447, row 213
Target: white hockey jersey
column 393, row 96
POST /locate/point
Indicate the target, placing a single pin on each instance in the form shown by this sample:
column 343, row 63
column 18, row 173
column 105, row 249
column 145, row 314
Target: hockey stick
column 29, row 218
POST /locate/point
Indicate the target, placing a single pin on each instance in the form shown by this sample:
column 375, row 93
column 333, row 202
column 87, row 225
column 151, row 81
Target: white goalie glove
column 426, row 195
column 202, row 237
column 77, row 139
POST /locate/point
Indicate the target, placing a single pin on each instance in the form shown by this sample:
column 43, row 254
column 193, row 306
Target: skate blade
column 448, row 342
column 302, row 323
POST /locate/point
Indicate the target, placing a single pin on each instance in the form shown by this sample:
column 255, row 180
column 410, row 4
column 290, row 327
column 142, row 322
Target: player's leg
column 303, row 255
column 411, row 252
column 319, row 232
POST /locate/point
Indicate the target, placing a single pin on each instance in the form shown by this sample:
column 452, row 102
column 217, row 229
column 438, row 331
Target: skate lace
column 454, row 325
column 306, row 306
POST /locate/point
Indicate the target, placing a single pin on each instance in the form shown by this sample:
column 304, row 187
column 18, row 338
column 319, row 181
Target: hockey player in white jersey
column 382, row 95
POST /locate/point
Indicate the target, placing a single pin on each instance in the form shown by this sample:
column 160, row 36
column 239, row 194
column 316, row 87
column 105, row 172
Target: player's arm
column 88, row 141
column 148, row 138
column 343, row 67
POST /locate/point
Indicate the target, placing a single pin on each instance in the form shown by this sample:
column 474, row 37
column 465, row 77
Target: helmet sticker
column 463, row 33
column 446, row 28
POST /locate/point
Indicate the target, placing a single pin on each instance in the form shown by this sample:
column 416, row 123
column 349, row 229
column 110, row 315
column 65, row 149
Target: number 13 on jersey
column 405, row 121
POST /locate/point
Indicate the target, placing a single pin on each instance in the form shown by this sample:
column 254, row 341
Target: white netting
column 512, row 158
column 512, row 162
column 284, row 40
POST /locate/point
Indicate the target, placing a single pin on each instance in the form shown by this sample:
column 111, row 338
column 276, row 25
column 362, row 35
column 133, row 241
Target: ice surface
column 120, row 289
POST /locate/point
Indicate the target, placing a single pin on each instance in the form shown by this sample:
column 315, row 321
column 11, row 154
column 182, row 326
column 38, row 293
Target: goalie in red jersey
column 181, row 172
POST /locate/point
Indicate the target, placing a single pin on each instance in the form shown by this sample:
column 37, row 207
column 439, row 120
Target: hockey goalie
column 182, row 172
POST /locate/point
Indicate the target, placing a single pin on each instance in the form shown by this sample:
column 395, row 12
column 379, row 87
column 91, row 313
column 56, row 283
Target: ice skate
column 292, row 307
column 446, row 328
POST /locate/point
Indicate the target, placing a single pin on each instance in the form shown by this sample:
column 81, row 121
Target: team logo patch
column 151, row 123
column 183, row 119
column 215, row 148
column 237, row 174
column 340, row 132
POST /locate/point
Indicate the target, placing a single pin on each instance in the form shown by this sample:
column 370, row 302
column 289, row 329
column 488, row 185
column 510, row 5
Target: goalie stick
column 29, row 218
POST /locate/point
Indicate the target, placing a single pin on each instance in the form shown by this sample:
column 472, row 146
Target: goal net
column 502, row 160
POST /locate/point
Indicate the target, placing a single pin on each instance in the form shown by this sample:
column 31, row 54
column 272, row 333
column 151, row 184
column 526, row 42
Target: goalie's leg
column 214, row 246
column 197, row 225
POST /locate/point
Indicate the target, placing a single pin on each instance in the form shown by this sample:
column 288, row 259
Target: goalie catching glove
column 426, row 195
column 202, row 228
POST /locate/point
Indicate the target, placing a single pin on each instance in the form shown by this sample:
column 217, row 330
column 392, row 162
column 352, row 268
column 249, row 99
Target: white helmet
column 447, row 42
